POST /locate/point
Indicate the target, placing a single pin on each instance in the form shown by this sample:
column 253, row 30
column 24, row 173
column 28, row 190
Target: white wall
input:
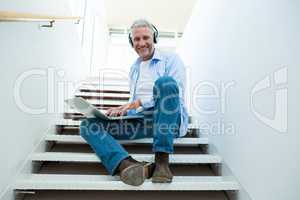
column 238, row 44
column 95, row 36
column 25, row 46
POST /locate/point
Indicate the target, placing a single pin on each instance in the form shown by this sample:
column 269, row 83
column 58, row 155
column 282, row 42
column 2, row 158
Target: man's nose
column 142, row 43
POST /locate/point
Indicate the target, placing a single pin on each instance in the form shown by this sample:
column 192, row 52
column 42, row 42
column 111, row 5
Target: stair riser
column 103, row 91
column 139, row 149
column 177, row 142
column 99, row 169
column 74, row 130
column 103, row 98
column 125, row 195
column 186, row 159
column 79, row 116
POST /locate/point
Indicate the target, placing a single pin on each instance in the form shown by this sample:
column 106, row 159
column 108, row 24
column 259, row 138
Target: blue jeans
column 160, row 123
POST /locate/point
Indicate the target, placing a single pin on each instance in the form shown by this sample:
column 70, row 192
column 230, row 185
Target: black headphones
column 155, row 35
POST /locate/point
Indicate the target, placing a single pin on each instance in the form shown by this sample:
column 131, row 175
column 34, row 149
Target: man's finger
column 108, row 112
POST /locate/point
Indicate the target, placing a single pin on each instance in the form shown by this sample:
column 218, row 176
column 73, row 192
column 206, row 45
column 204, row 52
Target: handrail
column 8, row 16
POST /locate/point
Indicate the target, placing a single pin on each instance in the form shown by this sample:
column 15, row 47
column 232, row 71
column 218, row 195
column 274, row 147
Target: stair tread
column 104, row 90
column 73, row 113
column 106, row 182
column 70, row 122
column 108, row 77
column 109, row 86
column 91, row 157
column 107, row 101
column 102, row 97
column 96, row 94
column 106, row 84
column 79, row 140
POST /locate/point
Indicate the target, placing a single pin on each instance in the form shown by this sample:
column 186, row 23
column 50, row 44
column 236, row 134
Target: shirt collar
column 156, row 56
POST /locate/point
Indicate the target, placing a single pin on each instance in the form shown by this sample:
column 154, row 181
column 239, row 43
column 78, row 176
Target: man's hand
column 118, row 111
column 122, row 110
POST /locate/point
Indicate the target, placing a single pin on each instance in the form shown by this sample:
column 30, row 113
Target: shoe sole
column 136, row 174
column 161, row 180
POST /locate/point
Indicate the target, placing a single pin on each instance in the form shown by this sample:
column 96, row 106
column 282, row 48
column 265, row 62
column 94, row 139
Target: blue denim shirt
column 162, row 64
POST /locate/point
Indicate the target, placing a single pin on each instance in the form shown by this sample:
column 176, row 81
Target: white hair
column 141, row 23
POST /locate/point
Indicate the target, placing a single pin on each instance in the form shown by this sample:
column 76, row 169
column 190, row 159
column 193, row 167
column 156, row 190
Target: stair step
column 106, row 83
column 108, row 78
column 105, row 182
column 107, row 94
column 79, row 140
column 70, row 122
column 98, row 102
column 104, row 90
column 73, row 114
column 91, row 157
column 123, row 195
column 131, row 149
column 73, row 129
column 107, row 87
column 87, row 96
column 99, row 169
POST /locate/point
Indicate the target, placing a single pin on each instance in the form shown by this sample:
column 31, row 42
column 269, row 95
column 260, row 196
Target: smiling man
column 157, row 84
column 143, row 42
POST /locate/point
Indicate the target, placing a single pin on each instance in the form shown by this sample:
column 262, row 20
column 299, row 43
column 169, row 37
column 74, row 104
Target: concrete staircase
column 69, row 169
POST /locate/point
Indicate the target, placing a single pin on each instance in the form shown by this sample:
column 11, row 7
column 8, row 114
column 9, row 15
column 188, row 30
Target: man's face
column 142, row 39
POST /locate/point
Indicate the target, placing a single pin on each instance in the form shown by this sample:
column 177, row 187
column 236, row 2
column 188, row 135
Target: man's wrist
column 138, row 103
column 135, row 105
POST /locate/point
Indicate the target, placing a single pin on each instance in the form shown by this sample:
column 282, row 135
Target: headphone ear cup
column 155, row 34
column 130, row 40
column 154, row 38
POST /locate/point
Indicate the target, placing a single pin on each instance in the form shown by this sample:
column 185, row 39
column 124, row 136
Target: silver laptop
column 90, row 111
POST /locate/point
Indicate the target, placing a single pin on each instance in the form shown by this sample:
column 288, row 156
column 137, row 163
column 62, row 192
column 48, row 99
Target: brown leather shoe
column 162, row 172
column 134, row 173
